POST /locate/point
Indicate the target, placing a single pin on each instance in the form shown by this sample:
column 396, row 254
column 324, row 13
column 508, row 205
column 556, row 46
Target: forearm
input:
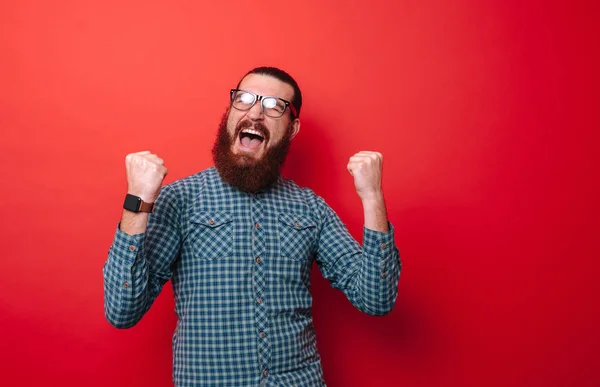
column 133, row 223
column 136, row 269
column 375, row 213
column 368, row 276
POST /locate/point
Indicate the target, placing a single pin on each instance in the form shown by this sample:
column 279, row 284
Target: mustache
column 256, row 126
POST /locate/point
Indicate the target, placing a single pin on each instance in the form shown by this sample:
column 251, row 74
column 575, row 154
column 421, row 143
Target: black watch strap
column 136, row 204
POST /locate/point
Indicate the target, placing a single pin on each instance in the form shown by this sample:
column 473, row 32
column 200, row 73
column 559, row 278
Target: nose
column 255, row 113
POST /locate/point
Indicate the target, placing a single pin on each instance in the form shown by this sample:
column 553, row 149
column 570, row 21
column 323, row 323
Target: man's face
column 252, row 131
column 251, row 146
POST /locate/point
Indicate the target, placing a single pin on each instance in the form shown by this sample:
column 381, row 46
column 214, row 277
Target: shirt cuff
column 377, row 243
column 125, row 247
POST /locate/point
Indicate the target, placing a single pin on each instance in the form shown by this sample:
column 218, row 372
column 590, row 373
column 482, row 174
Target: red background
column 486, row 113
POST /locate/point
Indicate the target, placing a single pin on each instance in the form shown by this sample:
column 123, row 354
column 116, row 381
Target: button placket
column 259, row 281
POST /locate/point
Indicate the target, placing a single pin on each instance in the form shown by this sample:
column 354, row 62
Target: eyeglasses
column 271, row 106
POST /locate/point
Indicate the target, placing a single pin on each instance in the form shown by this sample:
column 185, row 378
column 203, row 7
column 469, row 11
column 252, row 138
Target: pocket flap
column 297, row 222
column 211, row 219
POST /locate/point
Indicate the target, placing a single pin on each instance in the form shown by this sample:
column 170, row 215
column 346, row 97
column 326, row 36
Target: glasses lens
column 243, row 100
column 273, row 107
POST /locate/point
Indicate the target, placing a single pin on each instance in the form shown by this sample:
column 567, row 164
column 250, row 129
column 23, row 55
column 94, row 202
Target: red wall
column 486, row 113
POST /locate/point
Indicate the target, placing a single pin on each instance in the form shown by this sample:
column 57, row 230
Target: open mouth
column 251, row 138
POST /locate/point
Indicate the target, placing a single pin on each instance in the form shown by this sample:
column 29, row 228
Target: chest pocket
column 212, row 235
column 297, row 235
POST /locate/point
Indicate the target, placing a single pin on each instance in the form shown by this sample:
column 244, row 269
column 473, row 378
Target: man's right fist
column 145, row 173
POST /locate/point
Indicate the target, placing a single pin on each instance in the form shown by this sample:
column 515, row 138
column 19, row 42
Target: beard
column 244, row 172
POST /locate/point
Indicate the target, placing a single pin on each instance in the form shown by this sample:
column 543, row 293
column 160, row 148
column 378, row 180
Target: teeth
column 252, row 131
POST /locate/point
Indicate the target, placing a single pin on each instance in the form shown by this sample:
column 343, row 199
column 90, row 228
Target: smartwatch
column 136, row 204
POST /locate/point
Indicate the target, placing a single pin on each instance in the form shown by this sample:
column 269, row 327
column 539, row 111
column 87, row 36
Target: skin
column 366, row 167
column 146, row 171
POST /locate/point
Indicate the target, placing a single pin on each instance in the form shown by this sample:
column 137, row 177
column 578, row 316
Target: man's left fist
column 366, row 168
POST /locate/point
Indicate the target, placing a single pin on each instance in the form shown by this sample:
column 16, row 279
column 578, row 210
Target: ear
column 295, row 127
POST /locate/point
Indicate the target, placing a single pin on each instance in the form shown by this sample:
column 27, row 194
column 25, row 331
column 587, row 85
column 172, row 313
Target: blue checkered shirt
column 240, row 268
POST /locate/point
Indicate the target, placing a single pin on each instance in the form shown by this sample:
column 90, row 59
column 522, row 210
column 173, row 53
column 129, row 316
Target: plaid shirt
column 240, row 268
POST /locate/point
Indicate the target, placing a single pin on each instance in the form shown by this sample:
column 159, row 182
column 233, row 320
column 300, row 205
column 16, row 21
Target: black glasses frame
column 260, row 98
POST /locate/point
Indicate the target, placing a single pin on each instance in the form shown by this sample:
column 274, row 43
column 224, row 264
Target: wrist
column 146, row 197
column 375, row 197
column 135, row 204
column 133, row 223
column 375, row 213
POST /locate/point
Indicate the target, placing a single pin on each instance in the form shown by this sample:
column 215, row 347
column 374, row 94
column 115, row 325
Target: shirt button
column 257, row 225
column 258, row 260
column 266, row 372
column 262, row 334
column 126, row 284
column 382, row 245
column 211, row 222
column 383, row 275
column 297, row 224
column 131, row 248
column 259, row 300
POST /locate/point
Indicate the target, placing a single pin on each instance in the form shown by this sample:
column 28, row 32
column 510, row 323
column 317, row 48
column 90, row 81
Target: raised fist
column 366, row 168
column 145, row 173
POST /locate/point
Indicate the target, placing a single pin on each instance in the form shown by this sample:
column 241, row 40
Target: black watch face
column 132, row 203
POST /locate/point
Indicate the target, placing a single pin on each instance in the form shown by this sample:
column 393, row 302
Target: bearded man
column 238, row 241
